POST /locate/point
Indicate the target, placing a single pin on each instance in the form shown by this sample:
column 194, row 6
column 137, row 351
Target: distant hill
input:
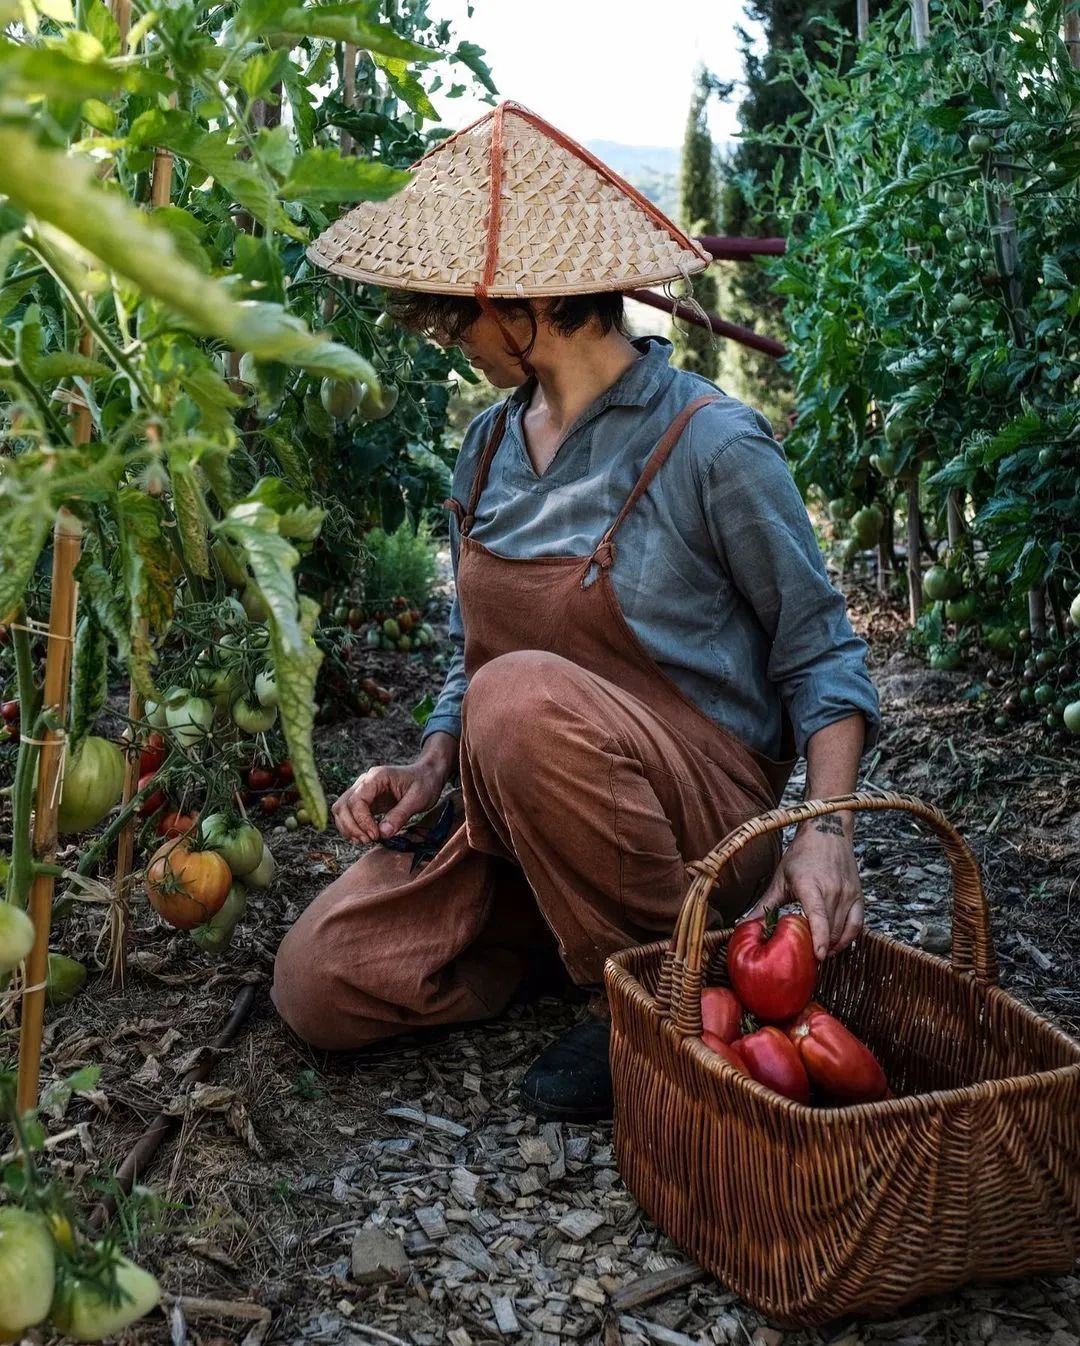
column 652, row 169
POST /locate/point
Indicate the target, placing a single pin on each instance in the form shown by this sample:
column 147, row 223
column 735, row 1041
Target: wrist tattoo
column 830, row 824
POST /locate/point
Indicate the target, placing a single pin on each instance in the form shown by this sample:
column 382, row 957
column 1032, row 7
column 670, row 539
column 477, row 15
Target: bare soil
column 512, row 1231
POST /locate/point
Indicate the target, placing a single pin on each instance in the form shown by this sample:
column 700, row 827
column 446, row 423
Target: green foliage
column 400, row 563
column 932, row 292
column 138, row 313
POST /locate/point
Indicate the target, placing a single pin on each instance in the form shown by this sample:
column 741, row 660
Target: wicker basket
column 972, row 1173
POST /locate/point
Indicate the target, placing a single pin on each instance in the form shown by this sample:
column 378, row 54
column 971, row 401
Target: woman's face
column 484, row 346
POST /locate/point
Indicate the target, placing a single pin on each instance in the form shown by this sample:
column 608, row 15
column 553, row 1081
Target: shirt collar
column 635, row 386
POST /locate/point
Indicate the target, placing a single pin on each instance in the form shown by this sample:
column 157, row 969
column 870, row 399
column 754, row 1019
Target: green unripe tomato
column 1074, row 611
column 1044, row 695
column 255, row 606
column 962, row 609
column 340, row 397
column 955, row 234
column 377, row 403
column 27, row 1271
column 941, row 584
column 266, row 689
column 252, row 718
column 958, row 304
column 1048, row 456
column 1072, row 717
column 979, row 143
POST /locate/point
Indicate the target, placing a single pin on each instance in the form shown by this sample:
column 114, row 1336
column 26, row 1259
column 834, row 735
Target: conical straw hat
column 564, row 223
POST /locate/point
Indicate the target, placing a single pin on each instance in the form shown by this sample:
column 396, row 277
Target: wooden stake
column 67, row 544
column 862, row 18
column 913, row 571
column 920, row 23
column 348, row 74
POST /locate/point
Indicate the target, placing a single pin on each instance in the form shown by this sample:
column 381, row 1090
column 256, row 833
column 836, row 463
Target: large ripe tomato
column 16, row 936
column 772, row 966
column 152, row 756
column 726, row 1050
column 841, row 1068
column 259, row 778
column 238, row 843
column 187, row 887
column 93, row 783
column 721, row 1013
column 772, row 1060
column 27, row 1271
column 81, row 1311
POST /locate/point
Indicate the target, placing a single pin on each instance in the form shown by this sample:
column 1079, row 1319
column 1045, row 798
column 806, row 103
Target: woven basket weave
column 972, row 1173
column 515, row 208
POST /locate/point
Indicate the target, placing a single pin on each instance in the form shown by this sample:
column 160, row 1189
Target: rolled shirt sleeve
column 764, row 539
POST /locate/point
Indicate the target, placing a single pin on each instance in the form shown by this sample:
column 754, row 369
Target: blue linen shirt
column 717, row 568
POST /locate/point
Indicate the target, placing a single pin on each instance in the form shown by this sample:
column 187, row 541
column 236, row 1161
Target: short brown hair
column 452, row 315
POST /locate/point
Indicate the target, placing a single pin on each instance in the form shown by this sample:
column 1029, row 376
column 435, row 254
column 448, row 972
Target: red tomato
column 269, row 803
column 772, row 1060
column 721, row 1013
column 259, row 778
column 726, row 1050
column 10, row 711
column 152, row 756
column 842, row 1069
column 284, row 773
column 153, row 800
column 177, row 824
column 772, row 966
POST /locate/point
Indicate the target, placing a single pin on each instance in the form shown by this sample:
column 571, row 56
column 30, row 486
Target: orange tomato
column 187, row 887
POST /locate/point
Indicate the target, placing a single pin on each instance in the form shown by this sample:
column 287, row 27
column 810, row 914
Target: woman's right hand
column 399, row 792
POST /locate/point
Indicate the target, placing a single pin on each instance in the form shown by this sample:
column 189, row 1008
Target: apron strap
column 604, row 554
column 467, row 517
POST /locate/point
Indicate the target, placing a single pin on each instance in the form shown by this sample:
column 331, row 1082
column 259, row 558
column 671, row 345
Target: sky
column 602, row 69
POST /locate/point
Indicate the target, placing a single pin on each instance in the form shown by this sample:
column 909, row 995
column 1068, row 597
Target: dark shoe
column 570, row 1081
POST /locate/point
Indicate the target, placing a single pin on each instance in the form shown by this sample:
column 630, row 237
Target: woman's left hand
column 818, row 871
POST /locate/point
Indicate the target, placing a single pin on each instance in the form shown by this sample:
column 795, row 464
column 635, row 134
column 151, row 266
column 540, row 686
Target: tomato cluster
column 769, row 1028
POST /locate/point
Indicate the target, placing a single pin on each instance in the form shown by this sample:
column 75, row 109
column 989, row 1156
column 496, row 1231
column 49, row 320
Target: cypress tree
column 768, row 103
column 695, row 347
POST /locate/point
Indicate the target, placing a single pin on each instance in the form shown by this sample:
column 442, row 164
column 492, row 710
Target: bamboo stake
column 862, row 18
column 67, row 544
column 920, row 23
column 119, row 910
column 348, row 74
column 913, row 531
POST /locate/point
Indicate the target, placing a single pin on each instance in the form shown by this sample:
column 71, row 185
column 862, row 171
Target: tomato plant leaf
column 61, row 190
column 89, row 678
column 192, row 516
column 255, row 526
column 407, row 87
column 325, row 175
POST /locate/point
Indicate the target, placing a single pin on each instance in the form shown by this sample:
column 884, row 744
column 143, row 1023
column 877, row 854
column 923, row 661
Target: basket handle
column 682, row 974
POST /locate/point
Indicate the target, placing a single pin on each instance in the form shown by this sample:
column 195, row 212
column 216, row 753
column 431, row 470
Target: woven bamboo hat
column 509, row 207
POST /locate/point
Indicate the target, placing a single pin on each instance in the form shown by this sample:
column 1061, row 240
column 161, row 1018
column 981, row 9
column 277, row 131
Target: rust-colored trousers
column 588, row 780
column 597, row 798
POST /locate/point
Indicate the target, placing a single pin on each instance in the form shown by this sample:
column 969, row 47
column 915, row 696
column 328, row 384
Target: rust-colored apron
column 384, row 949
